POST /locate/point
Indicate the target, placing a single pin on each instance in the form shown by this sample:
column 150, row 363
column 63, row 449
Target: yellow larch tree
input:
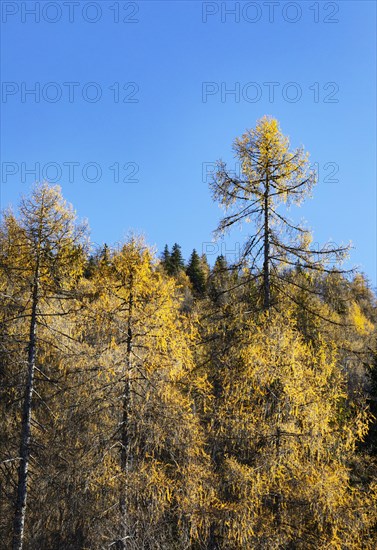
column 152, row 475
column 41, row 257
column 287, row 437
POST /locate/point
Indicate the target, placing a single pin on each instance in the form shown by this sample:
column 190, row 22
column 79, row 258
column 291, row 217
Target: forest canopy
column 156, row 403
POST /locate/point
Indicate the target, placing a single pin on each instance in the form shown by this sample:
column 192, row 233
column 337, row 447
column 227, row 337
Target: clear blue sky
column 326, row 49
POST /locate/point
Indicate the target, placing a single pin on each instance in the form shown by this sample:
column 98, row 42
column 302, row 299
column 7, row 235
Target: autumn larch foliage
column 134, row 418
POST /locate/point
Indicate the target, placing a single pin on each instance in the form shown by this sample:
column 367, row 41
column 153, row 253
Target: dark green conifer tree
column 176, row 263
column 196, row 273
column 165, row 259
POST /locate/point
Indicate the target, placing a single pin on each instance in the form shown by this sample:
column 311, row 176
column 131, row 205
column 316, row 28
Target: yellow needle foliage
column 154, row 459
column 289, row 446
column 163, row 420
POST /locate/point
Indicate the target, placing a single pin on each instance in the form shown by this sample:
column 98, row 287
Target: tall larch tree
column 41, row 256
column 155, row 471
column 283, row 437
column 272, row 175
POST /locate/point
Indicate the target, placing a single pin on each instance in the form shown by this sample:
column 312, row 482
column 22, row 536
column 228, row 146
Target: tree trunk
column 20, row 507
column 212, row 543
column 125, row 436
column 266, row 259
column 278, row 497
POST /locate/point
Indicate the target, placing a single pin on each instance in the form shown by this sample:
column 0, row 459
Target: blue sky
column 133, row 103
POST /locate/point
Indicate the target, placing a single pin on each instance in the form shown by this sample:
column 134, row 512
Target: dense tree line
column 153, row 403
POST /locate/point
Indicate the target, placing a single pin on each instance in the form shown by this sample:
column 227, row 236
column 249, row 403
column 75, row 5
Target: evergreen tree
column 222, row 281
column 196, row 273
column 206, row 269
column 165, row 259
column 176, row 261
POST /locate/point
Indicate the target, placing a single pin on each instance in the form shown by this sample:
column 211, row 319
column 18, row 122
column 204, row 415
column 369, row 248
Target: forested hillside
column 148, row 402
